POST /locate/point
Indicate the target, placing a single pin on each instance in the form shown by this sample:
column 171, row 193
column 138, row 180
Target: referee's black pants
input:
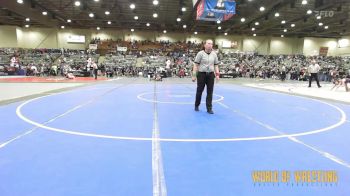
column 205, row 78
column 314, row 75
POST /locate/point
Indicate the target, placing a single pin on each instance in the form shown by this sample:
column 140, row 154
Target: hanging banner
column 122, row 49
column 227, row 16
column 214, row 10
column 221, row 6
column 93, row 46
column 76, row 39
column 323, row 51
column 229, row 44
column 194, row 2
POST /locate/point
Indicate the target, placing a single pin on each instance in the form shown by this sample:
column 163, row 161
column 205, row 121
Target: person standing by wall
column 283, row 72
column 89, row 66
column 95, row 69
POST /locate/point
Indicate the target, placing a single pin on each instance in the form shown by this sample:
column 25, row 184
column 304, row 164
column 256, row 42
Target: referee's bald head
column 208, row 46
column 210, row 41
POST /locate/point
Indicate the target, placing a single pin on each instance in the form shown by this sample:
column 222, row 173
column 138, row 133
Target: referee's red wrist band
column 217, row 74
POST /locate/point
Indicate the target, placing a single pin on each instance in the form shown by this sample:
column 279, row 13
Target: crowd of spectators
column 43, row 62
column 171, row 59
column 295, row 67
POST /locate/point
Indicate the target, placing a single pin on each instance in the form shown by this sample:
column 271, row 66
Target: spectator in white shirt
column 34, row 70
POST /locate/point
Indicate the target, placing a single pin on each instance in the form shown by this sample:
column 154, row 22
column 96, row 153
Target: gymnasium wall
column 286, row 45
column 336, row 47
column 199, row 38
column 258, row 44
column 36, row 38
column 344, row 46
column 63, row 34
column 138, row 35
column 107, row 34
column 221, row 38
column 312, row 46
column 8, row 36
column 172, row 37
column 12, row 36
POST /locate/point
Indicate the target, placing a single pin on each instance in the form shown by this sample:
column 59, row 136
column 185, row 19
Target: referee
column 314, row 68
column 205, row 69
